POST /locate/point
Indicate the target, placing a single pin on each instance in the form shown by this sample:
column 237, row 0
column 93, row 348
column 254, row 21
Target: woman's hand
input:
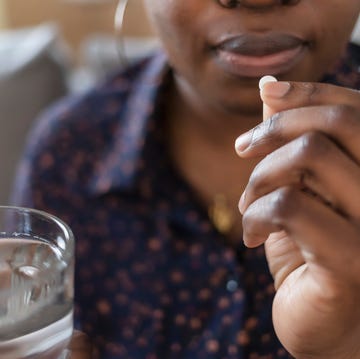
column 303, row 201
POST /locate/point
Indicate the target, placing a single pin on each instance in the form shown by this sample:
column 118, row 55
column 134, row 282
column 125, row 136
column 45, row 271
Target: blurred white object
column 22, row 47
column 105, row 53
column 102, row 54
column 33, row 74
column 356, row 33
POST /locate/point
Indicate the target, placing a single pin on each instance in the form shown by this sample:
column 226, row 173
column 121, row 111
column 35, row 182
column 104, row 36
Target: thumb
column 80, row 347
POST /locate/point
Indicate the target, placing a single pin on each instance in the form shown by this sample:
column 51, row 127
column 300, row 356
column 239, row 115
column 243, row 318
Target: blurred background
column 86, row 27
column 52, row 48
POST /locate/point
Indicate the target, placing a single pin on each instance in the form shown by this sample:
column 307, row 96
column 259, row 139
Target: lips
column 255, row 55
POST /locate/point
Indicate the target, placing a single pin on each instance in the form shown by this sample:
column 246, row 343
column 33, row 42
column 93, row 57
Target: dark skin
column 303, row 162
column 307, row 220
column 210, row 107
column 80, row 347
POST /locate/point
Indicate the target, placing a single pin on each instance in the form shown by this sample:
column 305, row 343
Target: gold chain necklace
column 221, row 215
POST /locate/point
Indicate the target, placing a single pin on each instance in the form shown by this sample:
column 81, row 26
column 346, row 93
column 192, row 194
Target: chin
column 242, row 108
column 243, row 99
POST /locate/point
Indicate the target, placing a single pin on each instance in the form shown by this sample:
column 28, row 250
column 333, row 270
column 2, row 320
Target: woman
column 144, row 170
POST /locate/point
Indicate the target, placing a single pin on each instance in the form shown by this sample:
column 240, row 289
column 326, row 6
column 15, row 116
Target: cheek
column 181, row 38
column 334, row 26
column 170, row 20
column 338, row 20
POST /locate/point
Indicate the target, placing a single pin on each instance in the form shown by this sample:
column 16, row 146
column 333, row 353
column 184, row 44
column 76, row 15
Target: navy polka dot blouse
column 154, row 279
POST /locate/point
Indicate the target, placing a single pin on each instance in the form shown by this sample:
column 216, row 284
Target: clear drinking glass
column 36, row 284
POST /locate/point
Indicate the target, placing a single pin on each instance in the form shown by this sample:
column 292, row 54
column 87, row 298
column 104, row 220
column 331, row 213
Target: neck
column 201, row 143
column 220, row 124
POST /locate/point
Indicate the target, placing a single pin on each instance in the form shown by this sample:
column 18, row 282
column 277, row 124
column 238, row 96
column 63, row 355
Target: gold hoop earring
column 118, row 26
column 126, row 33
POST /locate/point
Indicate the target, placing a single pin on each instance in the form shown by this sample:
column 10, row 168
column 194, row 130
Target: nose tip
column 255, row 3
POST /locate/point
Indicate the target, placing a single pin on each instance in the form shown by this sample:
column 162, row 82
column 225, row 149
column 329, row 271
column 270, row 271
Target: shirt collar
column 120, row 166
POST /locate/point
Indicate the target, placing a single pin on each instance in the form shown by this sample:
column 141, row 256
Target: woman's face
column 219, row 53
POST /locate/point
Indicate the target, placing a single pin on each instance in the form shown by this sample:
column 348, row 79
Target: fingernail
column 276, row 89
column 243, row 142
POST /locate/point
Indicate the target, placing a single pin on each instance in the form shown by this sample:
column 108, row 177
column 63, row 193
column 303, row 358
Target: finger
column 340, row 123
column 283, row 256
column 311, row 161
column 325, row 239
column 80, row 346
column 280, row 96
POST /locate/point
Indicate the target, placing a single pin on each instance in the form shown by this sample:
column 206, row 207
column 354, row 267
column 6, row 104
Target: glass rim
column 62, row 225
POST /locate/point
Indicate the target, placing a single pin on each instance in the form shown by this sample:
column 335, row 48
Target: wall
column 3, row 14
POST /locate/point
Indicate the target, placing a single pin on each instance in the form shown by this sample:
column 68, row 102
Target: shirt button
column 232, row 285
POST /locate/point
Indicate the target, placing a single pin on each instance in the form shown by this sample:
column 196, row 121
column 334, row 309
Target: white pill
column 266, row 79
